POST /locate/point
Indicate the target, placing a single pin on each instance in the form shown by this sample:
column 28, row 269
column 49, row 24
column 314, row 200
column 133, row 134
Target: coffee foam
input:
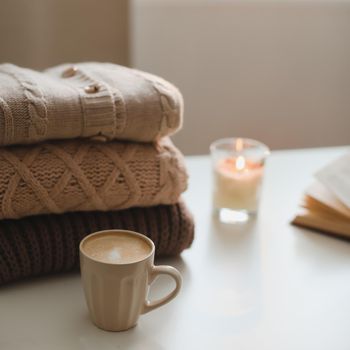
column 116, row 248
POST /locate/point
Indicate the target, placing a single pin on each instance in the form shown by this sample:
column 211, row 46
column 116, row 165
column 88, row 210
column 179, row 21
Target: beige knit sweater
column 63, row 176
column 103, row 101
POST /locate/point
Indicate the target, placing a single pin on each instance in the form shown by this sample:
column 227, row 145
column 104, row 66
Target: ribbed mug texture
column 116, row 292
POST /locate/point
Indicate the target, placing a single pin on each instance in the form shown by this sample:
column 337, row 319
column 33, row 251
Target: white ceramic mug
column 116, row 290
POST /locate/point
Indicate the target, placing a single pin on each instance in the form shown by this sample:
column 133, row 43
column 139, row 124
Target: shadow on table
column 235, row 254
column 176, row 261
column 34, row 282
column 232, row 236
column 323, row 250
column 91, row 338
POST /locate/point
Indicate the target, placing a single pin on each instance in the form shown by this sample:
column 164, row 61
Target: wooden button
column 99, row 138
column 91, row 89
column 69, row 72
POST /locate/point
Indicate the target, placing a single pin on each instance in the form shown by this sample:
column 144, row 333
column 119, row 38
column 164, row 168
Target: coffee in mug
column 121, row 248
column 117, row 270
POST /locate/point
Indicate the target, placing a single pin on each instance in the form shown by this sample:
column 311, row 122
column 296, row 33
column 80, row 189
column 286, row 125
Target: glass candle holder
column 238, row 168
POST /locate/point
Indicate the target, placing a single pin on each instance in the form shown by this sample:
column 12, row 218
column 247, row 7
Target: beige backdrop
column 41, row 33
column 277, row 71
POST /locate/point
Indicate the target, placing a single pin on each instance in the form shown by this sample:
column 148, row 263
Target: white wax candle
column 237, row 183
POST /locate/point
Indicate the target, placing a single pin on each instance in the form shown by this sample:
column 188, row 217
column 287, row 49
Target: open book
column 326, row 203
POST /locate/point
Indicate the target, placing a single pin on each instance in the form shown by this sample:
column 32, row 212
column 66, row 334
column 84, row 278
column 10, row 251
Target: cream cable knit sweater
column 63, row 176
column 95, row 100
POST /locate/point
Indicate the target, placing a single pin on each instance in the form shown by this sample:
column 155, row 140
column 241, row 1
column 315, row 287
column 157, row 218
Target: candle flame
column 240, row 163
column 239, row 145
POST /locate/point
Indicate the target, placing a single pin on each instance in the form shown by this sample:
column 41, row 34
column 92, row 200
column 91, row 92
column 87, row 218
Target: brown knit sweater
column 96, row 100
column 46, row 244
column 63, row 176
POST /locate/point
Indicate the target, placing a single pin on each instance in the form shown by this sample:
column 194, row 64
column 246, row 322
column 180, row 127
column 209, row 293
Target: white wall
column 276, row 71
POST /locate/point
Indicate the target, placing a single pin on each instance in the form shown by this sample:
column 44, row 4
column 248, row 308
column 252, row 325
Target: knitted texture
column 95, row 100
column 63, row 176
column 46, row 244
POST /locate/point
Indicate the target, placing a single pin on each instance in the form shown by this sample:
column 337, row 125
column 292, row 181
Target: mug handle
column 163, row 270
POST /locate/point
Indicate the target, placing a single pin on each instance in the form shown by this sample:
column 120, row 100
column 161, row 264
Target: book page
column 336, row 177
column 321, row 194
column 322, row 222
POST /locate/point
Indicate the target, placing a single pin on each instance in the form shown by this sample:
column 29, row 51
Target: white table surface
column 262, row 285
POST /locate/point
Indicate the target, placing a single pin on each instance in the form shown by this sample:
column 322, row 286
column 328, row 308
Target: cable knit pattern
column 36, row 104
column 8, row 121
column 46, row 244
column 170, row 100
column 62, row 176
column 102, row 101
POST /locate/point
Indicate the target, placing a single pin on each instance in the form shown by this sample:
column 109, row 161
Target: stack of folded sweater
column 85, row 148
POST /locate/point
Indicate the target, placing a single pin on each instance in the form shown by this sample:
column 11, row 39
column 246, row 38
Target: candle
column 238, row 166
column 237, row 183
